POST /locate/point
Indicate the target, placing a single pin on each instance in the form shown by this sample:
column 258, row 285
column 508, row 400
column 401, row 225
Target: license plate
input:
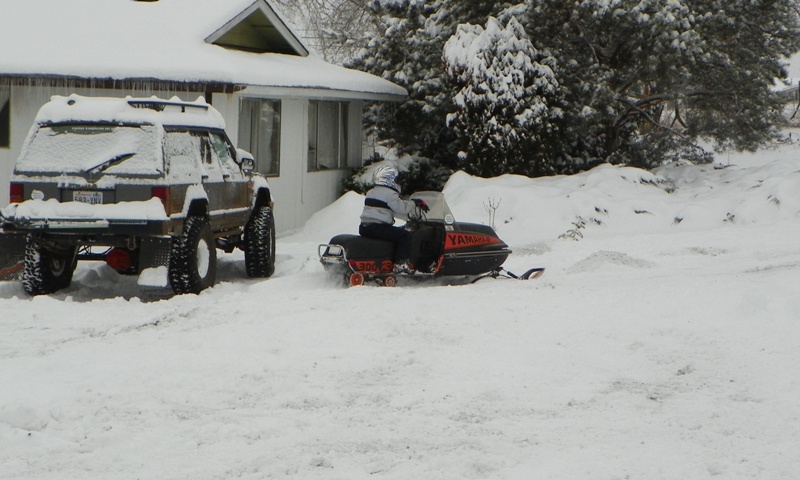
column 92, row 198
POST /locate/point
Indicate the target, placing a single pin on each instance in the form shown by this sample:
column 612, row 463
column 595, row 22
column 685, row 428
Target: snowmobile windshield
column 439, row 210
column 93, row 148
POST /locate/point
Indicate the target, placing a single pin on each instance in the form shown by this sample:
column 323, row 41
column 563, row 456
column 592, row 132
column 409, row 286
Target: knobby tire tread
column 38, row 274
column 183, row 274
column 259, row 239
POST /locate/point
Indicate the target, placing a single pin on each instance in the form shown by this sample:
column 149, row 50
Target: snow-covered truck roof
column 129, row 110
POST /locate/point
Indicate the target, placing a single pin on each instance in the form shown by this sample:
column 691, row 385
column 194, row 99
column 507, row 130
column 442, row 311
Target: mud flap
column 12, row 256
column 155, row 252
column 153, row 267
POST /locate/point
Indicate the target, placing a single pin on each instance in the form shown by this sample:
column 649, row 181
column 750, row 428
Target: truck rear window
column 91, row 149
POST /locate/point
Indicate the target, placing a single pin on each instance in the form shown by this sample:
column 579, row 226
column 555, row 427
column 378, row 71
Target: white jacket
column 382, row 204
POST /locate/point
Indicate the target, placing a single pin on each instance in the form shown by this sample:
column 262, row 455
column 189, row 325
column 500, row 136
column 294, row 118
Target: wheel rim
column 203, row 260
column 57, row 266
column 356, row 279
column 390, row 282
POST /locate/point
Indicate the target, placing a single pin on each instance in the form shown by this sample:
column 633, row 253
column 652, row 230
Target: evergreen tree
column 402, row 52
column 646, row 78
column 639, row 81
column 408, row 51
column 505, row 97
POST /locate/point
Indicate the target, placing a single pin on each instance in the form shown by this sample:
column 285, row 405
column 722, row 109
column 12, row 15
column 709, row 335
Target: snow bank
column 614, row 200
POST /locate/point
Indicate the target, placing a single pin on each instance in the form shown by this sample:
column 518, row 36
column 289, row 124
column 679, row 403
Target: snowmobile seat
column 358, row 247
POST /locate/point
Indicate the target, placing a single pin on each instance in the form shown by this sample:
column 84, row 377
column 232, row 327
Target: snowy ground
column 662, row 343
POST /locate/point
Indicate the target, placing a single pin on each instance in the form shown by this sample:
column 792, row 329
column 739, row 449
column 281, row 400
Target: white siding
column 287, row 188
column 298, row 193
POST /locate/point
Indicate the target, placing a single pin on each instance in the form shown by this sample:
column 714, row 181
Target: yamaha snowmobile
column 441, row 247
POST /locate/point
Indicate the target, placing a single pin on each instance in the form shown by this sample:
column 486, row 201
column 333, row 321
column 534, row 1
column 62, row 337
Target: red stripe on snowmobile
column 456, row 240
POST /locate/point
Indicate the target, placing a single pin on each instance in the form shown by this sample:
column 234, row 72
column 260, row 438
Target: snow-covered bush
column 645, row 79
column 416, row 174
column 408, row 51
column 506, row 99
column 638, row 82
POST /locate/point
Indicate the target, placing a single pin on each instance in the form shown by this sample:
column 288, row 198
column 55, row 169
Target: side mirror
column 246, row 161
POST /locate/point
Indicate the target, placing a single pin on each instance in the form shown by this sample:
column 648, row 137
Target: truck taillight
column 162, row 193
column 16, row 193
column 119, row 259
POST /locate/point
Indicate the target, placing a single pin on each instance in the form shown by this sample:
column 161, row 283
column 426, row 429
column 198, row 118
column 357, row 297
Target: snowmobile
column 441, row 246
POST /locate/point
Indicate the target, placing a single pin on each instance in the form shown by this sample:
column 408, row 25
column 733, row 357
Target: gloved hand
column 422, row 205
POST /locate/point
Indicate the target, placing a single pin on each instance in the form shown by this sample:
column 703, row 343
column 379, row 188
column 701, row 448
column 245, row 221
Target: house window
column 5, row 117
column 327, row 135
column 260, row 133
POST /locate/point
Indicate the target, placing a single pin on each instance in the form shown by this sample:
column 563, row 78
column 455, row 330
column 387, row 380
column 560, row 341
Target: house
column 300, row 116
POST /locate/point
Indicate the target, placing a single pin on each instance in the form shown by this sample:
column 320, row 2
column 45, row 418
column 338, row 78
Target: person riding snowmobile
column 381, row 205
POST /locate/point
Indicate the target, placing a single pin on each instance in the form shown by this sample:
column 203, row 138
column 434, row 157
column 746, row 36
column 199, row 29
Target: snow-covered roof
column 224, row 42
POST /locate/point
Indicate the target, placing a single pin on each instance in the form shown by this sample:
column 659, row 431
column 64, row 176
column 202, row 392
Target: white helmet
column 386, row 175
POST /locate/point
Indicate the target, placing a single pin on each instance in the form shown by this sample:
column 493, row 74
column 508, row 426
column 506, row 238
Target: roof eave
column 75, row 81
column 200, row 86
column 324, row 93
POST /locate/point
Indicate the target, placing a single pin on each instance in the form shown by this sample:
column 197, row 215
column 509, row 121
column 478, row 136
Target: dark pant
column 399, row 235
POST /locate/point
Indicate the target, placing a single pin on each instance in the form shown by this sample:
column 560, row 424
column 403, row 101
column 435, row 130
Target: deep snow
column 661, row 343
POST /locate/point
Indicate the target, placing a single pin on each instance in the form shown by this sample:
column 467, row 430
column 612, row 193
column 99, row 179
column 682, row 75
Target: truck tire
column 193, row 260
column 45, row 271
column 259, row 243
